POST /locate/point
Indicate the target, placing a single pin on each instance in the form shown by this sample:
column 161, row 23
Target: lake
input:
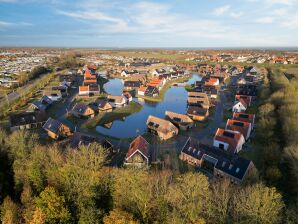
column 175, row 100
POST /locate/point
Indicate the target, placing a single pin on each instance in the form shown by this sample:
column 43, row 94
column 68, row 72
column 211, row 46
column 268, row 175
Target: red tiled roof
column 211, row 82
column 233, row 142
column 139, row 143
column 232, row 125
column 237, row 116
column 142, row 88
column 89, row 75
column 246, row 99
column 83, row 88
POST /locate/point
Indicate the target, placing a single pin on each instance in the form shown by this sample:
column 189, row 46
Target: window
column 231, row 166
column 237, row 170
column 221, row 146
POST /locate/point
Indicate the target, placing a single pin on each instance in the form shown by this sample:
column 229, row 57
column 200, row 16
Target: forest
column 44, row 183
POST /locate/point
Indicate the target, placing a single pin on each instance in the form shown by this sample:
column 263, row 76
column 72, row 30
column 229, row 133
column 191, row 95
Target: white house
column 228, row 140
column 239, row 106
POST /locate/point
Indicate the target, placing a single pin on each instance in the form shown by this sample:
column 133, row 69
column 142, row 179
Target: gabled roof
column 138, row 144
column 39, row 105
column 24, row 118
column 80, row 108
column 84, row 88
column 100, row 103
column 193, row 110
column 178, row 118
column 230, row 137
column 241, row 101
column 245, row 98
column 197, row 95
column 160, row 125
column 52, row 125
column 240, row 126
column 230, row 164
column 79, row 138
column 244, row 117
column 142, row 88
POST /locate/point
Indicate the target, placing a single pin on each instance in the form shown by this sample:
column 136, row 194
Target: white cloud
column 282, row 2
column 265, row 20
column 280, row 12
column 291, row 22
column 221, row 10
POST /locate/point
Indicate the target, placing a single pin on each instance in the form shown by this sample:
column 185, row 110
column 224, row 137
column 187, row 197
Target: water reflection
column 175, row 100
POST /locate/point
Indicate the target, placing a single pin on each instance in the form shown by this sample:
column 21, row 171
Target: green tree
column 9, row 212
column 257, row 204
column 53, row 206
column 188, row 197
column 117, row 216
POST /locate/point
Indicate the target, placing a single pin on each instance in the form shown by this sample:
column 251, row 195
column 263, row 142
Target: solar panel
column 150, row 123
column 228, row 134
column 243, row 115
column 239, row 124
column 176, row 119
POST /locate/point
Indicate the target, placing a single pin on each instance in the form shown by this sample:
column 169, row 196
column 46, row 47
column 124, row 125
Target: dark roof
column 230, row 164
column 132, row 84
column 79, row 138
column 52, row 125
column 197, row 110
column 80, row 108
column 46, row 100
column 39, row 105
column 24, row 118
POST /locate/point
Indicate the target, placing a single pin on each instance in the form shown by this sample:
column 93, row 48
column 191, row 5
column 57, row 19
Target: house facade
column 216, row 162
column 138, row 154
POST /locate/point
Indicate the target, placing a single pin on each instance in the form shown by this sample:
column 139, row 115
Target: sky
column 149, row 23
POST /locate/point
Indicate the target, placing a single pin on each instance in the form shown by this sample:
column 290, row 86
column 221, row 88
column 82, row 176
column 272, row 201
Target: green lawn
column 118, row 113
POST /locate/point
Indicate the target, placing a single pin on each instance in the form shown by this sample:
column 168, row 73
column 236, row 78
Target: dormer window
column 237, row 170
column 231, row 166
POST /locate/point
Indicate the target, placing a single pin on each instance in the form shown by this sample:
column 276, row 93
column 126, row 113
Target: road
column 13, row 96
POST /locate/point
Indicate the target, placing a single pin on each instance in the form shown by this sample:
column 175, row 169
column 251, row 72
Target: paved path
column 13, row 96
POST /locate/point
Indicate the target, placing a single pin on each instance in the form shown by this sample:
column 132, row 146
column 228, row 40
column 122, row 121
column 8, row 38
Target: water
column 175, row 100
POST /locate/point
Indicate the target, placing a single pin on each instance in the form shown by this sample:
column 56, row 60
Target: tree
column 53, row 206
column 38, row 217
column 9, row 212
column 117, row 216
column 219, row 203
column 188, row 197
column 257, row 204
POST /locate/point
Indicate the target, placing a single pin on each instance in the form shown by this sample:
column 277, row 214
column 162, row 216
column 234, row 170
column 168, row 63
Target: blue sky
column 152, row 23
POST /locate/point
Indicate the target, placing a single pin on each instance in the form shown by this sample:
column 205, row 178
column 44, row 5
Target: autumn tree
column 188, row 197
column 53, row 206
column 257, row 204
column 9, row 213
column 117, row 216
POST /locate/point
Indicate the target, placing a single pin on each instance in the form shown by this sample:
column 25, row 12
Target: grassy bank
column 118, row 113
column 164, row 89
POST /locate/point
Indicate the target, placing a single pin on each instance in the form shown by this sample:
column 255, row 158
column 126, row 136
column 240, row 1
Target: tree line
column 277, row 135
column 48, row 184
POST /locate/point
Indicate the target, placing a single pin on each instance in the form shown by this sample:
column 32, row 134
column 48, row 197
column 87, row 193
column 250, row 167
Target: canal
column 175, row 100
